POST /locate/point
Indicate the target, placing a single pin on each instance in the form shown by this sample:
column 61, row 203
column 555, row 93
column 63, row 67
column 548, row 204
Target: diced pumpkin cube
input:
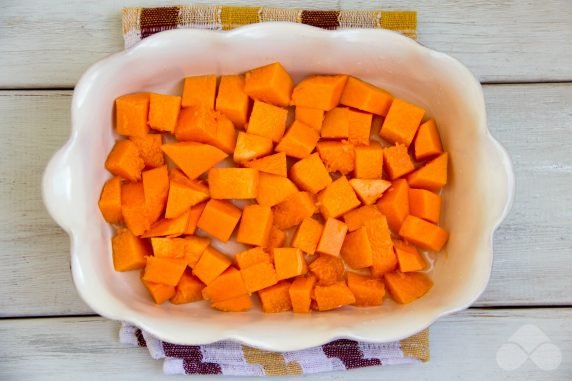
column 289, row 262
column 425, row 204
column 401, row 122
column 251, row 257
column 199, row 91
column 337, row 156
column 369, row 190
column 310, row 174
column 133, row 208
column 156, row 190
column 194, row 214
column 299, row 141
column 273, row 164
column 319, row 91
column 159, row 292
column 250, row 147
column 211, row 264
column 300, row 293
column 276, row 239
column 308, row 235
column 276, row 298
column 369, row 161
column 255, row 225
column 293, row 210
column 267, row 120
column 359, row 127
column 232, row 101
column 164, row 270
column 397, row 161
column 366, row 97
column 171, row 227
column 431, row 176
column 110, row 200
column 338, row 198
column 259, row 276
column 357, row 217
column 193, row 158
column 239, row 304
column 427, row 142
column 383, row 257
column 367, row 291
column 406, row 287
column 227, row 285
column 270, row 83
column 332, row 237
column 129, row 251
column 233, row 183
column 408, row 257
column 273, row 189
column 131, row 112
column 313, row 117
column 124, row 161
column 394, row 204
column 193, row 248
column 327, row 269
column 188, row 290
column 149, row 147
column 423, row 234
column 204, row 125
column 168, row 247
column 336, row 123
column 219, row 218
column 333, row 296
column 164, row 111
column 183, row 194
column 356, row 250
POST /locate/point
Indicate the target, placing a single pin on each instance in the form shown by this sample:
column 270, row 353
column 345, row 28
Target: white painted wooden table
column 520, row 50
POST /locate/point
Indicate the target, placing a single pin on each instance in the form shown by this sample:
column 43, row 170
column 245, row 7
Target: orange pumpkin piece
column 267, row 120
column 369, row 161
column 425, row 204
column 328, row 269
column 270, row 83
column 359, row 127
column 293, row 210
column 423, row 234
column 211, row 264
column 232, row 101
column 193, row 248
column 159, row 292
column 320, row 91
column 401, row 122
column 255, row 225
column 337, row 156
column 259, row 276
column 369, row 190
column 383, row 257
column 397, row 161
column 251, row 257
column 310, row 174
column 250, row 147
column 301, row 293
column 193, row 158
column 333, row 296
column 336, row 123
column 124, row 161
column 406, row 287
column 332, row 237
column 188, row 290
column 204, row 125
column 164, row 112
column 356, row 250
column 233, row 183
column 183, row 194
column 308, row 235
column 199, row 91
column 357, row 217
column 289, row 262
column 338, row 198
column 110, row 200
column 171, row 227
column 427, row 142
column 313, row 117
column 276, row 298
column 367, row 291
column 219, row 218
column 241, row 303
column 394, row 204
column 276, row 239
column 164, row 270
column 194, row 214
column 131, row 112
column 366, row 97
column 408, row 257
column 149, row 147
column 299, row 141
column 273, row 164
column 432, row 176
column 129, row 251
column 227, row 285
column 133, row 208
column 156, row 190
column 273, row 189
column 168, row 247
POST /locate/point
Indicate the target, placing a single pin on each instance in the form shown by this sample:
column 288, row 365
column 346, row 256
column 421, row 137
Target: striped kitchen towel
column 139, row 23
column 230, row 358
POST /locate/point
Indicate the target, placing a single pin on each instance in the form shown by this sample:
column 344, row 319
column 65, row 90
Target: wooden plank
column 463, row 346
column 49, row 44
